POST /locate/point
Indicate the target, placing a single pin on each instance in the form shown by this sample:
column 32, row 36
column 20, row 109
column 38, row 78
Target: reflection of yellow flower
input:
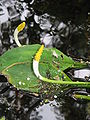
column 21, row 27
column 39, row 53
column 17, row 30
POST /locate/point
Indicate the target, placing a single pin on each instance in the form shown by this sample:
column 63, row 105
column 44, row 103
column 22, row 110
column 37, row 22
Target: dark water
column 64, row 24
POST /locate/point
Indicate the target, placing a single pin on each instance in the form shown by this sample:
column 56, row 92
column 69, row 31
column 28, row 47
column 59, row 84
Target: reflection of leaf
column 16, row 65
column 78, row 96
column 88, row 108
column 3, row 118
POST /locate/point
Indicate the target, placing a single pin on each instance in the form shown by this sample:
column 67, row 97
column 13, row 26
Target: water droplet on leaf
column 28, row 78
column 20, row 83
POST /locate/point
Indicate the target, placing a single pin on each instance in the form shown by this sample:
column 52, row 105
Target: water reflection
column 48, row 111
column 83, row 73
column 60, row 24
column 43, row 27
column 64, row 109
column 3, row 14
column 53, row 30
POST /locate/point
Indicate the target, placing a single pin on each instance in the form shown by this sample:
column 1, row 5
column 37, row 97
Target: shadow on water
column 64, row 24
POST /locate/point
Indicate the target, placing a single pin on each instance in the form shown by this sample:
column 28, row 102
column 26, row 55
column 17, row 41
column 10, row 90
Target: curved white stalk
column 17, row 30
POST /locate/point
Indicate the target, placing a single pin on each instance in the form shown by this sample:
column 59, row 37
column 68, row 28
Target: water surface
column 63, row 24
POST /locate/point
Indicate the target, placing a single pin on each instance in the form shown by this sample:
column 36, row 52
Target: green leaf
column 16, row 65
column 26, row 54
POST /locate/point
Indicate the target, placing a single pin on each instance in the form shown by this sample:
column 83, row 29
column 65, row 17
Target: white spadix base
column 36, row 70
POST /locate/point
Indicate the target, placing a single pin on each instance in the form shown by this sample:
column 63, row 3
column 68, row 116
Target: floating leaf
column 16, row 65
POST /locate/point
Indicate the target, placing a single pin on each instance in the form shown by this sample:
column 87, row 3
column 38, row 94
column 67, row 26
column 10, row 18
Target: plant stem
column 77, row 84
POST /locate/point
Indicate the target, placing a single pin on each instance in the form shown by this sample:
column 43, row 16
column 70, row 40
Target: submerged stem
column 78, row 96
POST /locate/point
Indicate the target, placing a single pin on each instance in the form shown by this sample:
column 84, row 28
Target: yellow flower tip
column 21, row 27
column 39, row 53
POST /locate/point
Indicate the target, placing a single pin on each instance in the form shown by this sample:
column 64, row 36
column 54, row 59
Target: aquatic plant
column 30, row 67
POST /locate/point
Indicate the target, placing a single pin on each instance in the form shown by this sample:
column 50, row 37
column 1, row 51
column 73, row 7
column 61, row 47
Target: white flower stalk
column 36, row 63
column 36, row 69
column 17, row 30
